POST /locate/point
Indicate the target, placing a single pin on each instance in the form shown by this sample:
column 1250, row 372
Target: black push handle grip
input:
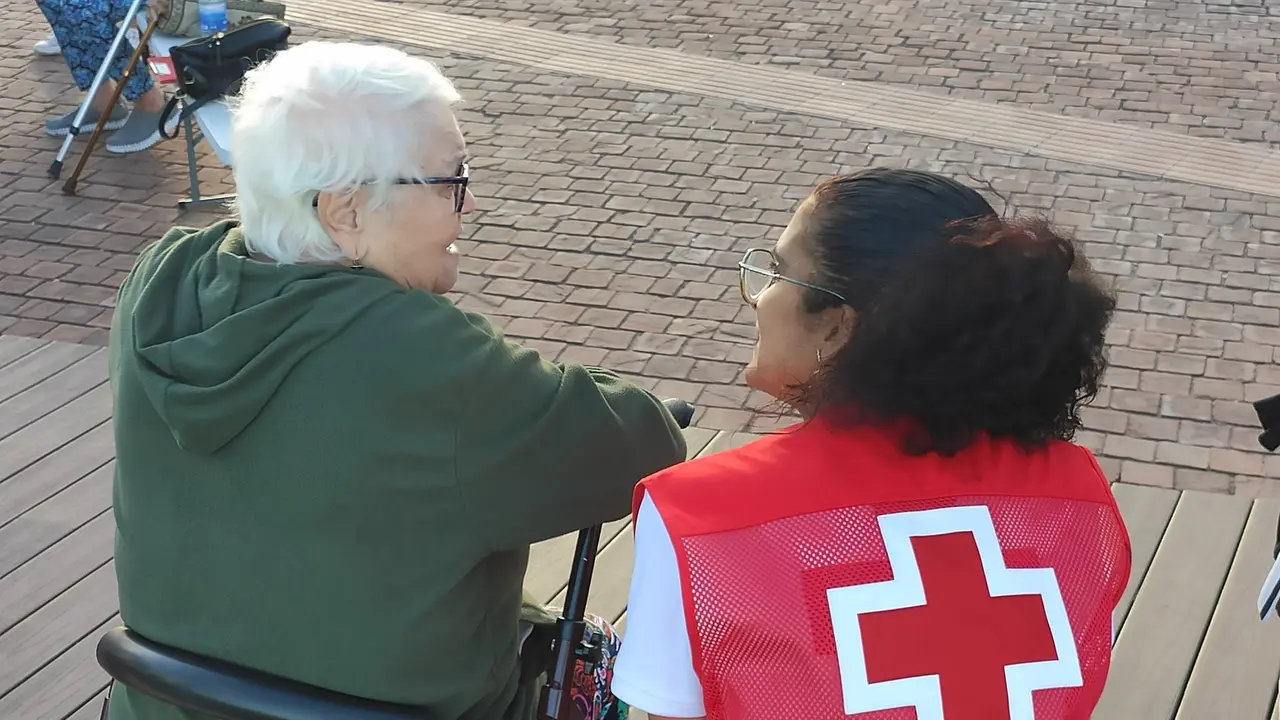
column 680, row 410
column 1268, row 410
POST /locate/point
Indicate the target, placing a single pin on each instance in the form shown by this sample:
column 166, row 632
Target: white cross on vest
column 955, row 634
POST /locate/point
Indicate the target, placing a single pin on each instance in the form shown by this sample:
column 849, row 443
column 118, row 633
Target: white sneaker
column 48, row 46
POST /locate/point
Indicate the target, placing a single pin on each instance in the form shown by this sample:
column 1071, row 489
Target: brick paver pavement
column 1210, row 68
column 612, row 217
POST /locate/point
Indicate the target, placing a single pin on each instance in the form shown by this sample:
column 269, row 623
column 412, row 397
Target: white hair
column 325, row 116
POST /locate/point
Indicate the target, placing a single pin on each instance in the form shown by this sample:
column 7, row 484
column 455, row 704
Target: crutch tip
column 55, row 169
column 69, row 187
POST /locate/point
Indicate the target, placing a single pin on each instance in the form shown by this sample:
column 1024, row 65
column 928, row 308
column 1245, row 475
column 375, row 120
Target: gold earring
column 819, row 356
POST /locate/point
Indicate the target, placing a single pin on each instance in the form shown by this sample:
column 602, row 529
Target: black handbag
column 209, row 68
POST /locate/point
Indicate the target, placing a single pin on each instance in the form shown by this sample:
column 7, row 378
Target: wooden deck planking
column 91, row 710
column 1190, row 646
column 54, row 430
column 54, row 472
column 38, row 365
column 64, row 685
column 57, row 586
column 1238, row 663
column 39, row 528
column 1146, row 512
column 26, row 589
column 42, row 635
column 30, row 404
column 697, row 440
column 1157, row 647
column 13, row 347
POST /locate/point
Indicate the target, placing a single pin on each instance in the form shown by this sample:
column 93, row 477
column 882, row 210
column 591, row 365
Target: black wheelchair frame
column 232, row 692
column 1268, row 410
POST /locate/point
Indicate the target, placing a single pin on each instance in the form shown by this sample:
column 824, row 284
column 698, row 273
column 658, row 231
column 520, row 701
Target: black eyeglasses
column 458, row 181
column 758, row 271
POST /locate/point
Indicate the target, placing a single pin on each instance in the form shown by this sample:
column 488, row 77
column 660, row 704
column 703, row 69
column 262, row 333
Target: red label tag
column 162, row 70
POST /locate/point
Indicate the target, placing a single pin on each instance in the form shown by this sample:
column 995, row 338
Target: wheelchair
column 230, row 692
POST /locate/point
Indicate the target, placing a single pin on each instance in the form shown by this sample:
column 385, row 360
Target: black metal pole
column 571, row 626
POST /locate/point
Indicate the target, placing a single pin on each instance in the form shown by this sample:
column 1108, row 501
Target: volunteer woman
column 927, row 537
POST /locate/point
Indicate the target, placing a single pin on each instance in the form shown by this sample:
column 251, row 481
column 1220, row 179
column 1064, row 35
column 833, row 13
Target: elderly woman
column 927, row 543
column 325, row 470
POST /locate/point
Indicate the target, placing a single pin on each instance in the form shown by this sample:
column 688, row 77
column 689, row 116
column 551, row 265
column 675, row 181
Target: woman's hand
column 157, row 9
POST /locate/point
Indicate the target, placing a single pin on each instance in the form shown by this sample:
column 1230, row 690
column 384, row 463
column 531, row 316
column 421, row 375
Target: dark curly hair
column 965, row 323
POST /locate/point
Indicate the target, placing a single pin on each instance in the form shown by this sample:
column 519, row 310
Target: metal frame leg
column 193, row 136
column 106, row 703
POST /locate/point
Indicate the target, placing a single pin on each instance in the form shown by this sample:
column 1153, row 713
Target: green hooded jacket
column 328, row 477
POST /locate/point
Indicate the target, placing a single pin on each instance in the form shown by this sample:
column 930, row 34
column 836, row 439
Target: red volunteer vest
column 828, row 575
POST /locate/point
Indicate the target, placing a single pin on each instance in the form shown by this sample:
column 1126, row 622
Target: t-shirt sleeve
column 654, row 671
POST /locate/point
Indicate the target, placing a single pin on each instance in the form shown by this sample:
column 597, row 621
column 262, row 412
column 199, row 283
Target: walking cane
column 571, row 628
column 69, row 188
column 56, row 168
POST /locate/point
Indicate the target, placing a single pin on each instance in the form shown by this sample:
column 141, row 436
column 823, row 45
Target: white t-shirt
column 654, row 671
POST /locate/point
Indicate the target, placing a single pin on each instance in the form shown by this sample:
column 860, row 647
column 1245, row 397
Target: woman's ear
column 337, row 212
column 840, row 322
column 340, row 217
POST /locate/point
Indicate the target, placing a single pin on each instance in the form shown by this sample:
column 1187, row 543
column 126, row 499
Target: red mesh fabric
column 765, row 645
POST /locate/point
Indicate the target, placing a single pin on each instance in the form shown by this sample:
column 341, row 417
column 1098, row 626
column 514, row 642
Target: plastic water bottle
column 213, row 16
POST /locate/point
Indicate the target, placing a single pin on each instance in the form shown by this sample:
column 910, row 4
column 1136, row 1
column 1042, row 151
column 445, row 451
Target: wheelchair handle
column 680, row 410
column 1268, row 410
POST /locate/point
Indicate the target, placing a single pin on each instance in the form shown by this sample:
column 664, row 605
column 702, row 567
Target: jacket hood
column 213, row 334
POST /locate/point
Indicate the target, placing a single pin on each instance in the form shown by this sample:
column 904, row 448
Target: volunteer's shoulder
column 1080, row 462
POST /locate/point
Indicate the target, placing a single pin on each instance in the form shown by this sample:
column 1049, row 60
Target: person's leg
column 142, row 130
column 78, row 27
column 140, row 88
